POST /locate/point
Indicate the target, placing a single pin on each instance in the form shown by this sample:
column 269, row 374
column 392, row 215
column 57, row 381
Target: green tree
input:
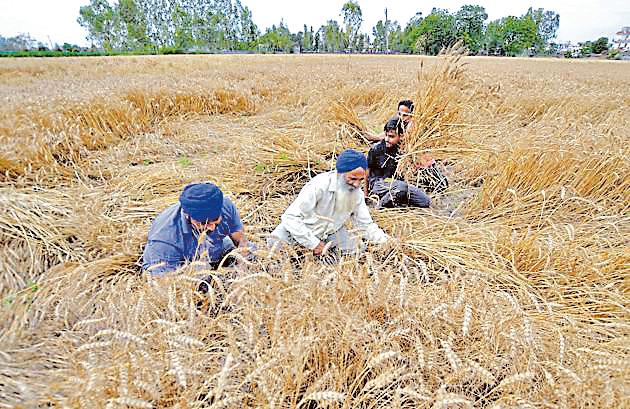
column 98, row 19
column 469, row 25
column 519, row 34
column 547, row 24
column 298, row 39
column 379, row 31
column 382, row 34
column 332, row 37
column 169, row 24
column 307, row 40
column 511, row 35
column 276, row 39
column 183, row 37
column 363, row 42
column 160, row 27
column 586, row 48
column 395, row 36
column 436, row 32
column 600, row 45
column 317, row 42
column 411, row 33
column 246, row 31
column 70, row 48
column 352, row 18
column 251, row 31
column 493, row 39
column 131, row 25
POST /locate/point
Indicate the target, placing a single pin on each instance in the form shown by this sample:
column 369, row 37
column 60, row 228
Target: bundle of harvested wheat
column 436, row 115
column 342, row 120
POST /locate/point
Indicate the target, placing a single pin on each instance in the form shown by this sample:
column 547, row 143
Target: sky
column 580, row 20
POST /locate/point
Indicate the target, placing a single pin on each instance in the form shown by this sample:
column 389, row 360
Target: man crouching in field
column 316, row 218
column 381, row 177
column 203, row 226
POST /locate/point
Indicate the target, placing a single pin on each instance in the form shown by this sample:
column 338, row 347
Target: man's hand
column 392, row 244
column 317, row 251
column 242, row 247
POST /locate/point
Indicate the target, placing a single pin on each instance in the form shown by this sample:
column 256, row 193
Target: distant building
column 569, row 49
column 621, row 41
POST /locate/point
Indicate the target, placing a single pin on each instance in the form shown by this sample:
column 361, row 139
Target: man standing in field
column 203, row 226
column 381, row 178
column 404, row 112
column 316, row 219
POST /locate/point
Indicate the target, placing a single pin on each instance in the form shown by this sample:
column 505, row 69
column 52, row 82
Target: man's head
column 202, row 203
column 405, row 109
column 393, row 131
column 351, row 166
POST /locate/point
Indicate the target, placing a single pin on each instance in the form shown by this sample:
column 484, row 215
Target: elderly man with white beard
column 316, row 219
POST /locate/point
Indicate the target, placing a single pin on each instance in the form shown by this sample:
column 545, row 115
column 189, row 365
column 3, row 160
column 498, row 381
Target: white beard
column 345, row 187
column 344, row 202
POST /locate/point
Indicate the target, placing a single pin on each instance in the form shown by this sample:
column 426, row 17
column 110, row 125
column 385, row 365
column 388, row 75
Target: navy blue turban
column 202, row 201
column 349, row 160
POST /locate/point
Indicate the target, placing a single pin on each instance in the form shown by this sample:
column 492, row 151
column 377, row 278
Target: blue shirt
column 173, row 241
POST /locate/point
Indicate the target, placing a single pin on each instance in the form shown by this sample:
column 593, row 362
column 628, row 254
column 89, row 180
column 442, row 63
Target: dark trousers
column 396, row 193
column 432, row 179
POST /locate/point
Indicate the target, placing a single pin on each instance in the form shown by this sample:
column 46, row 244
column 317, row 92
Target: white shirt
column 323, row 207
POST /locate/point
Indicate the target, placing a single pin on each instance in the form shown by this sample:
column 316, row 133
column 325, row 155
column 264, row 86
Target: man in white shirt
column 319, row 213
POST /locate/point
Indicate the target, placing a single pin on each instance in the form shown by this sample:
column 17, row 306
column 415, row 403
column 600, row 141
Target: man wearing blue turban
column 203, row 226
column 316, row 219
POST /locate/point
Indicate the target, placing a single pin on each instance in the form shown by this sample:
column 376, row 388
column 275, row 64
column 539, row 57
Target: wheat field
column 510, row 292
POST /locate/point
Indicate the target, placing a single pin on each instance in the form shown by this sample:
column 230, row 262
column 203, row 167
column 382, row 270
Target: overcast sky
column 580, row 20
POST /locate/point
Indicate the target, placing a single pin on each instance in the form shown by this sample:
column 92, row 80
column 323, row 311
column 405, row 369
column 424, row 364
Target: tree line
column 219, row 25
column 169, row 24
column 173, row 26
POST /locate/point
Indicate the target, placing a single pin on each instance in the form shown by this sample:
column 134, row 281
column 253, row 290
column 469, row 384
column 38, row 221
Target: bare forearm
column 374, row 138
column 239, row 239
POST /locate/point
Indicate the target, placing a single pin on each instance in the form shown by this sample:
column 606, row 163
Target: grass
column 511, row 291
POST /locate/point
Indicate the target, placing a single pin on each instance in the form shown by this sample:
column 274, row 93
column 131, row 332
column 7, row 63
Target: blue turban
column 349, row 160
column 202, row 201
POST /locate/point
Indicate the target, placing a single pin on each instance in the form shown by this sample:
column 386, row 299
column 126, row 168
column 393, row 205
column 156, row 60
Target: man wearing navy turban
column 316, row 219
column 202, row 212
